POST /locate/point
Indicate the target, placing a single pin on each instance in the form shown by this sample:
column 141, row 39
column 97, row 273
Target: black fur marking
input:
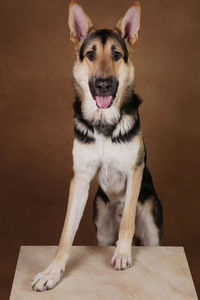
column 136, row 241
column 104, row 128
column 100, row 193
column 145, row 153
column 132, row 103
column 141, row 158
column 104, row 34
column 147, row 191
column 157, row 213
column 130, row 107
column 126, row 137
column 83, row 137
column 147, row 188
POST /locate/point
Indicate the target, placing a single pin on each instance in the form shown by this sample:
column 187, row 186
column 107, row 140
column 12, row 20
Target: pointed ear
column 79, row 23
column 129, row 24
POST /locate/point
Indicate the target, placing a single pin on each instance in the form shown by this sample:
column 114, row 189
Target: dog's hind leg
column 149, row 219
column 104, row 219
column 147, row 228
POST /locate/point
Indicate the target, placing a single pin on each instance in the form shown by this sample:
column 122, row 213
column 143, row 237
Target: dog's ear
column 79, row 23
column 129, row 24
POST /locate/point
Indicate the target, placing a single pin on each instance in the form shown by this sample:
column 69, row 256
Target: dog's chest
column 112, row 161
column 116, row 160
column 111, row 179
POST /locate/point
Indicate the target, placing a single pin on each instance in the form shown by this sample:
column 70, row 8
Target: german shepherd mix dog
column 108, row 142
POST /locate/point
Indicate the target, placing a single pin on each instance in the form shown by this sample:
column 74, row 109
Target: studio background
column 36, row 121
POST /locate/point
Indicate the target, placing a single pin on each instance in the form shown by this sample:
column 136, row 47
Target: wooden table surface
column 158, row 273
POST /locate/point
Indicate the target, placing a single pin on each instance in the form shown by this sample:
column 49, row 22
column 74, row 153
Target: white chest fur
column 112, row 161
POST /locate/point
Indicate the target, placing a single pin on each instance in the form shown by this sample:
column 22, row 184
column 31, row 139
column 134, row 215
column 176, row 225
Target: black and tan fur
column 108, row 143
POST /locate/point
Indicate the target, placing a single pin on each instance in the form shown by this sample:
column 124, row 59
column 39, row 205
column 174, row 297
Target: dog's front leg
column 78, row 195
column 122, row 258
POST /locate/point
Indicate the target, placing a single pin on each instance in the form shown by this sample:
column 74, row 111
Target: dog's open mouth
column 103, row 90
column 104, row 101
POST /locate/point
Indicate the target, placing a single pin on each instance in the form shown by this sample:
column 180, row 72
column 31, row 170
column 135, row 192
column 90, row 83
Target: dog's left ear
column 79, row 23
column 129, row 24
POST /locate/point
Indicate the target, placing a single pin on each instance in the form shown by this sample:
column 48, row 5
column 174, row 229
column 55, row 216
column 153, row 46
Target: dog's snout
column 104, row 86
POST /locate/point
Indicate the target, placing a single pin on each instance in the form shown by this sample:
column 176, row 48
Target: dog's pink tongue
column 103, row 101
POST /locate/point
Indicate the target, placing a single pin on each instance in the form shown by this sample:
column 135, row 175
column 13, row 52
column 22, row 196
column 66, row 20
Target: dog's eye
column 90, row 55
column 116, row 55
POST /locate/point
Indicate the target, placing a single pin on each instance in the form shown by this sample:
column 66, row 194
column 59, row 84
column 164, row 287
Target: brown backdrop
column 36, row 120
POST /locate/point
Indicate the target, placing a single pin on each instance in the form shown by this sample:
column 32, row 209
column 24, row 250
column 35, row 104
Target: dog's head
column 103, row 69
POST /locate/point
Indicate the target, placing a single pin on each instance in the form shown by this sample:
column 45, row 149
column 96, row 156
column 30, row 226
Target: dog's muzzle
column 103, row 90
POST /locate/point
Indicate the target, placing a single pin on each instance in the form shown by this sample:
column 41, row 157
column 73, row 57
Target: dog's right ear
column 79, row 23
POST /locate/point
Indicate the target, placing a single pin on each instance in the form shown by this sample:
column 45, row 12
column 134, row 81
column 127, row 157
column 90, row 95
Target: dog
column 108, row 143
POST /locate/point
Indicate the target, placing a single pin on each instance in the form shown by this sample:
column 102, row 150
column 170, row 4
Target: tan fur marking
column 103, row 65
column 64, row 243
column 127, row 226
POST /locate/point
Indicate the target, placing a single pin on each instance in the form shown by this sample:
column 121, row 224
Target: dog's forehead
column 103, row 35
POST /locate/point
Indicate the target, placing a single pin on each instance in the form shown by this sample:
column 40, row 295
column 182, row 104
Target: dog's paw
column 121, row 262
column 47, row 279
column 122, row 258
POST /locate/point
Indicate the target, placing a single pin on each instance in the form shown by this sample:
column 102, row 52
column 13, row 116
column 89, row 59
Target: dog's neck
column 119, row 123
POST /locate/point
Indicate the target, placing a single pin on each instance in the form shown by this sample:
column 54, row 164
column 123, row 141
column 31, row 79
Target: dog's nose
column 104, row 86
